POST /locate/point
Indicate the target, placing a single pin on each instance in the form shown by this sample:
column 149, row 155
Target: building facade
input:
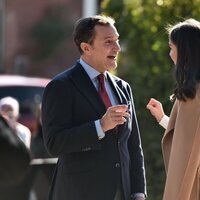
column 36, row 36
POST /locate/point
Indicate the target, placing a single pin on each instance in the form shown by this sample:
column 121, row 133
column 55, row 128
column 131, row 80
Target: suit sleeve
column 61, row 136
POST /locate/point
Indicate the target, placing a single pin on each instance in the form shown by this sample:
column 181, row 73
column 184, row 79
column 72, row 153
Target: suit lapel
column 116, row 89
column 121, row 99
column 83, row 83
column 172, row 121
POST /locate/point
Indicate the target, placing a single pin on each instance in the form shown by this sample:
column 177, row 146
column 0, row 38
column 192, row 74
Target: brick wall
column 20, row 17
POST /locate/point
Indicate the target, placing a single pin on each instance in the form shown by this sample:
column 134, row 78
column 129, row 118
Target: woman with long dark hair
column 181, row 140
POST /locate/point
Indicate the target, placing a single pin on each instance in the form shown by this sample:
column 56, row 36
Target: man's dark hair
column 84, row 30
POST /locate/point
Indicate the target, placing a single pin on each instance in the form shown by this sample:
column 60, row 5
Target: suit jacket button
column 86, row 149
column 117, row 165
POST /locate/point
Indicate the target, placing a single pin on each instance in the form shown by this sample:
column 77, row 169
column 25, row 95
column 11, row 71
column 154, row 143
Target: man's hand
column 114, row 116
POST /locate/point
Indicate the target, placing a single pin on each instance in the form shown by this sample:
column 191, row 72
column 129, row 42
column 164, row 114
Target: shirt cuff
column 99, row 129
column 164, row 121
column 135, row 195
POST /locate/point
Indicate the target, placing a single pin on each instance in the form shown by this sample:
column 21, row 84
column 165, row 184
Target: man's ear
column 85, row 47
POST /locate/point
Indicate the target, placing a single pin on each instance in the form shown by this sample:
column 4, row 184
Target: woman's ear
column 85, row 47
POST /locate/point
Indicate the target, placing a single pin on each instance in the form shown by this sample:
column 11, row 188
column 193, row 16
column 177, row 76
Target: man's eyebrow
column 111, row 37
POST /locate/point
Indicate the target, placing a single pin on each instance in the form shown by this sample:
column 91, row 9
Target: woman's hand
column 156, row 109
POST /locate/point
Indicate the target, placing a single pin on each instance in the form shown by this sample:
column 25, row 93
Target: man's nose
column 117, row 47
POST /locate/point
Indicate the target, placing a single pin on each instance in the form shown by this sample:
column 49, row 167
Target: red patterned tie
column 102, row 91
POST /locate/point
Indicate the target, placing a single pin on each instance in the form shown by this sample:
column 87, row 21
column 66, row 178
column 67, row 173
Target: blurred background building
column 36, row 36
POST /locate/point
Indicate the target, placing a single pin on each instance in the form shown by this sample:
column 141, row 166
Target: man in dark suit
column 89, row 122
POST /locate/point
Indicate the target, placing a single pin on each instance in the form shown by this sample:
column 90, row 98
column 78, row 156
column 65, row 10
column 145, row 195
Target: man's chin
column 112, row 67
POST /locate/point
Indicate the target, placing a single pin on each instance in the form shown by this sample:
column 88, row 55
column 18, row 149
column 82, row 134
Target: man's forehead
column 106, row 31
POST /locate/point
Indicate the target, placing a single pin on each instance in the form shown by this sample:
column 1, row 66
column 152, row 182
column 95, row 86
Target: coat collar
column 172, row 120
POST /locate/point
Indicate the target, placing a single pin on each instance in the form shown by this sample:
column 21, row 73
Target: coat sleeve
column 61, row 136
column 168, row 135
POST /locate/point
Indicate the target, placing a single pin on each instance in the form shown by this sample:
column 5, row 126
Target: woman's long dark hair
column 186, row 37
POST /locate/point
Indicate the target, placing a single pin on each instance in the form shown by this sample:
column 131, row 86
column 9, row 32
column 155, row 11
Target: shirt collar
column 92, row 73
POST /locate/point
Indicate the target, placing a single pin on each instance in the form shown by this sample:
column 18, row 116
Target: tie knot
column 101, row 78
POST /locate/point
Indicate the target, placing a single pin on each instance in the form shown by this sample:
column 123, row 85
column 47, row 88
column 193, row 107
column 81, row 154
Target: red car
column 28, row 91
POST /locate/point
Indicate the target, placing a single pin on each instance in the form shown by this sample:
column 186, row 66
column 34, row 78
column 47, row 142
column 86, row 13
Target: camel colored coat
column 181, row 151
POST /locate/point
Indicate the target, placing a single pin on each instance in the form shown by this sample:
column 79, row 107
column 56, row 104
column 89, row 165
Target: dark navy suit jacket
column 89, row 168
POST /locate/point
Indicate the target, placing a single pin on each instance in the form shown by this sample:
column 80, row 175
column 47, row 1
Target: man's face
column 102, row 53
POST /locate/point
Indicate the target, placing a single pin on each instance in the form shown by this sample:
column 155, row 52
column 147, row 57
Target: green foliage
column 144, row 62
column 50, row 33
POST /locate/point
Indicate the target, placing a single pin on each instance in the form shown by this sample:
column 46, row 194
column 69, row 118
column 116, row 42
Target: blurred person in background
column 14, row 167
column 9, row 109
column 14, row 156
column 181, row 140
column 43, row 164
column 38, row 149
